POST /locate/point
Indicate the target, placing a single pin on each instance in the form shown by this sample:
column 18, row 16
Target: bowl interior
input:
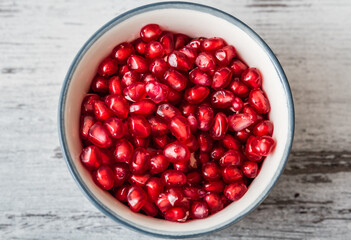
column 193, row 22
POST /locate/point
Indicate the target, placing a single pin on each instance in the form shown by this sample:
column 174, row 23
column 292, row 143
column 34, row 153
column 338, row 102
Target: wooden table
column 40, row 200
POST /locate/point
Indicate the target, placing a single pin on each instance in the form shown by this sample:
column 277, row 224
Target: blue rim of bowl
column 173, row 5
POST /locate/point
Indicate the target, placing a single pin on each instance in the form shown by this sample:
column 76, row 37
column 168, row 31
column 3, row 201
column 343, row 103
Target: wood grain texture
column 39, row 199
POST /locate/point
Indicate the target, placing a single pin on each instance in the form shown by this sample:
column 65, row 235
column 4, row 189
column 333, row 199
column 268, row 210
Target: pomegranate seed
column 187, row 108
column 262, row 145
column 115, row 127
column 139, row 46
column 100, row 84
column 150, row 32
column 88, row 103
column 190, row 53
column 104, row 177
column 192, row 123
column 235, row 191
column 231, row 174
column 158, row 126
column 205, row 62
column 123, row 151
column 173, row 178
column 225, row 55
column 158, row 67
column 221, row 78
column 181, row 166
column 154, row 50
column 179, row 127
column 237, row 104
column 214, row 202
column 239, row 88
column 154, row 187
column 107, row 67
column 86, row 123
column 172, row 197
column 196, row 94
column 222, row 99
column 230, row 142
column 135, row 92
column 175, row 80
column 121, row 194
column 144, row 107
column 118, row 105
column 231, row 157
column 158, row 92
column 193, row 178
column 179, row 60
column 141, row 142
column 195, row 43
column 211, row 171
column 114, row 85
column 180, row 40
column 217, row 152
column 136, row 198
column 90, row 157
column 148, row 77
column 122, row 70
column 204, row 116
column 176, row 214
column 238, row 67
column 167, row 42
column 199, row 210
column 176, row 152
column 140, row 161
column 205, row 142
column 174, row 97
column 158, row 164
column 252, row 78
column 139, row 179
column 139, row 126
column 240, row 121
column 121, row 173
column 255, row 116
column 161, row 141
column 249, row 152
column 219, row 127
column 192, row 144
column 259, row 101
column 250, row 169
column 216, row 186
column 198, row 77
column 150, row 209
column 167, row 111
column 137, row 63
column 98, row 135
column 263, row 128
column 212, row 44
column 193, row 193
column 129, row 78
column 122, row 51
column 101, row 110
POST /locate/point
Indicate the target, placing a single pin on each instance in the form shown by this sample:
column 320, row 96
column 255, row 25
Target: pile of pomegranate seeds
column 174, row 127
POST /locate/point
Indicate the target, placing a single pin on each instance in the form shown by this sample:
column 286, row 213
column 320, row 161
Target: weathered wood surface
column 39, row 199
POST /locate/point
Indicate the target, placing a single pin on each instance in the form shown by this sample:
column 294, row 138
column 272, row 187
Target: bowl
column 194, row 20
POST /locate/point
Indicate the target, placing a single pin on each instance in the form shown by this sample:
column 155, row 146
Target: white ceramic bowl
column 194, row 20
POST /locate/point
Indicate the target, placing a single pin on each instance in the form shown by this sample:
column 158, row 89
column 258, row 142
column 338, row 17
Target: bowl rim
column 177, row 5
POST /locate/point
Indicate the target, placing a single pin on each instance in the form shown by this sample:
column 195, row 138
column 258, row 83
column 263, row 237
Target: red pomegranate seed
column 263, row 128
column 122, row 70
column 212, row 44
column 250, row 110
column 196, row 94
column 221, row 78
column 101, row 110
column 150, row 32
column 193, row 193
column 144, row 107
column 100, row 84
column 219, row 127
column 259, row 101
column 174, row 97
column 124, row 150
column 172, row 197
column 180, row 40
column 195, row 43
column 181, row 166
column 158, row 67
column 135, row 92
column 85, row 125
column 190, row 53
column 90, row 157
column 250, row 169
column 235, row 191
column 161, row 141
column 118, row 105
column 193, row 178
column 139, row 46
column 214, row 202
column 199, row 210
column 231, row 174
column 240, row 121
column 173, row 178
column 139, row 126
column 176, row 214
column 179, row 60
column 211, row 171
column 187, row 108
column 222, row 99
column 204, row 116
column 137, row 63
column 148, row 77
column 237, row 104
column 158, row 92
column 176, row 152
column 140, row 161
column 231, row 157
column 167, row 42
column 107, row 67
column 88, row 103
column 122, row 51
column 158, row 126
column 198, row 77
column 130, row 77
column 179, row 127
column 216, row 186
column 158, row 164
column 121, row 173
column 205, row 142
column 150, row 209
column 238, row 67
column 252, row 78
column 115, row 127
column 104, row 177
column 225, row 55
column 175, row 80
column 249, row 152
column 262, row 145
column 230, row 142
column 154, row 187
column 205, row 62
column 239, row 88
column 98, row 135
column 192, row 144
column 114, row 85
column 192, row 123
column 167, row 111
column 217, row 152
column 141, row 142
column 139, row 179
column 121, row 194
column 136, row 198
